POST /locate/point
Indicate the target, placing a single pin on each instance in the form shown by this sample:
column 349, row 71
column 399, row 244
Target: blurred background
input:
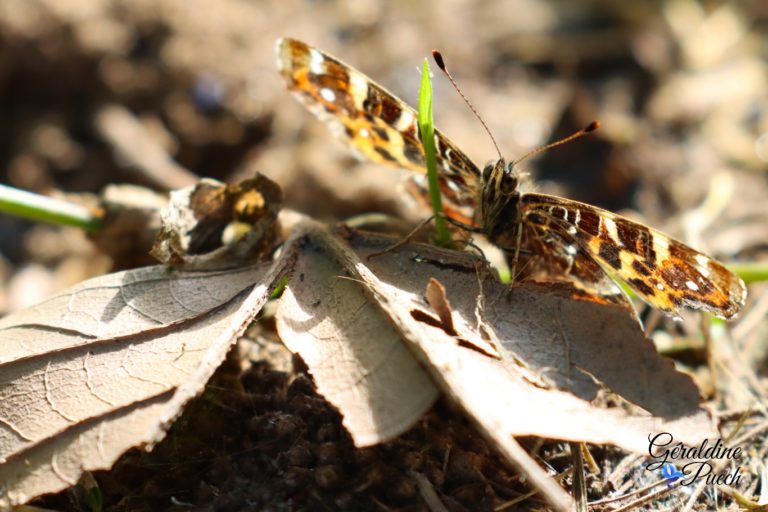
column 87, row 86
column 159, row 92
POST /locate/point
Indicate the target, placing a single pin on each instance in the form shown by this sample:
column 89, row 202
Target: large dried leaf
column 108, row 364
column 503, row 387
column 569, row 347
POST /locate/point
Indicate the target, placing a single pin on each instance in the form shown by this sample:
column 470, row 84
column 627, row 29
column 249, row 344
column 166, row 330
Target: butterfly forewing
column 666, row 273
column 383, row 128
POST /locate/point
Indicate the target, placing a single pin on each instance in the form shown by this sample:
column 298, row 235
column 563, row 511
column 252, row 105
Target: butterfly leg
column 516, row 257
column 403, row 241
column 461, row 225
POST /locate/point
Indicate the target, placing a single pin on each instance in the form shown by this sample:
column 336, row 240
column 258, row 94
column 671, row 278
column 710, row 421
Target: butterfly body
column 584, row 243
column 499, row 203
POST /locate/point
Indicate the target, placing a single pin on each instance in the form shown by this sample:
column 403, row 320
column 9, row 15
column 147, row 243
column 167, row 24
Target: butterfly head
column 500, row 197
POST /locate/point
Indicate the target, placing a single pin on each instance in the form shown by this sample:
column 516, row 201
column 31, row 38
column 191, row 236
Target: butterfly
column 592, row 245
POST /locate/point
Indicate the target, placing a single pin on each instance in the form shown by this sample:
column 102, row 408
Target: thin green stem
column 279, row 289
column 751, row 272
column 427, row 129
column 45, row 209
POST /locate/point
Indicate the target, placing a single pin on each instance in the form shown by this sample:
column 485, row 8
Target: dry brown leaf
column 550, row 337
column 358, row 360
column 108, row 365
column 573, row 344
column 437, row 298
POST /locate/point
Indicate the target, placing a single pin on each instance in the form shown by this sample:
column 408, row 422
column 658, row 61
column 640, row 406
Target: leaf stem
column 750, row 272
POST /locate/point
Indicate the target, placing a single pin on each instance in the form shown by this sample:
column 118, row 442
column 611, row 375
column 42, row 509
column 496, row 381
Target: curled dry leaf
column 437, row 298
column 213, row 225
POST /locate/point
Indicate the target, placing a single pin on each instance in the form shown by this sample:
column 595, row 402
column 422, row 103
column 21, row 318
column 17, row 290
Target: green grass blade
column 279, row 289
column 46, row 209
column 427, row 129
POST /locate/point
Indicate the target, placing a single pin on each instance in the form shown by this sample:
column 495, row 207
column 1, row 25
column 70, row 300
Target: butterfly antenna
column 594, row 125
column 441, row 64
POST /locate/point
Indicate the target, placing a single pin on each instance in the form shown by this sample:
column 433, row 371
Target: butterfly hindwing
column 550, row 256
column 665, row 273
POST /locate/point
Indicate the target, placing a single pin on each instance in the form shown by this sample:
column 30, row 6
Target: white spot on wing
column 572, row 230
column 610, row 227
column 363, row 132
column 692, row 286
column 570, row 249
column 703, row 262
column 328, row 95
column 405, row 121
column 316, row 62
column 659, row 286
column 660, row 242
column 661, row 248
column 358, row 82
column 358, row 87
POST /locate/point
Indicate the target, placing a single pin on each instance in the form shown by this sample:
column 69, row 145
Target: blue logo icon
column 670, row 472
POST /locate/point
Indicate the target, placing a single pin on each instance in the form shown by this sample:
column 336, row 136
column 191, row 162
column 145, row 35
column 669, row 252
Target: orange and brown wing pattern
column 667, row 274
column 383, row 128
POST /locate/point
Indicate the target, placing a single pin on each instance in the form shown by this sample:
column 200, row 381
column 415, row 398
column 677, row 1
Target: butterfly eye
column 510, row 182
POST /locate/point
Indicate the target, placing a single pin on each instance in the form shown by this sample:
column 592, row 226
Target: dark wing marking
column 552, row 256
